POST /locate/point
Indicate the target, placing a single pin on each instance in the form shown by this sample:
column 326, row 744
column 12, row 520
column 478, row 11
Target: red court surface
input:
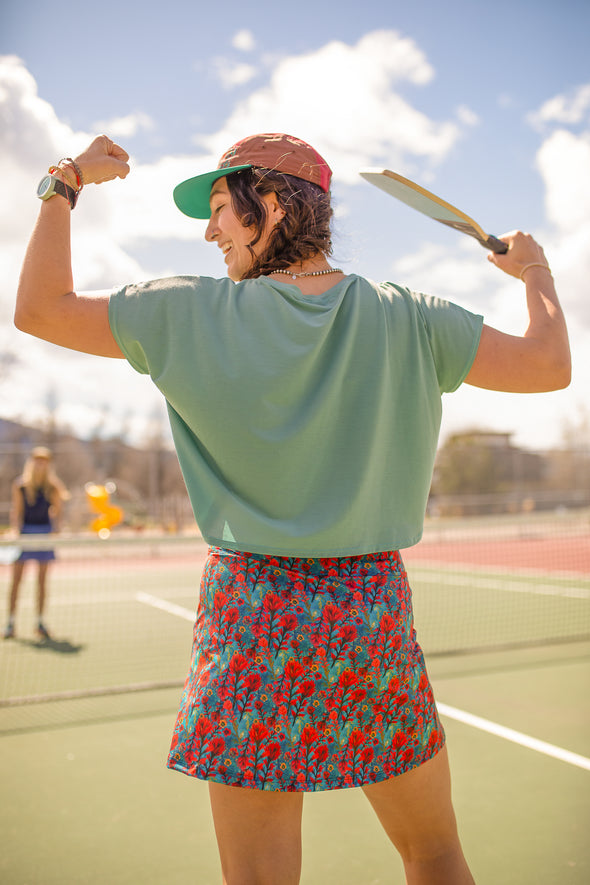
column 555, row 554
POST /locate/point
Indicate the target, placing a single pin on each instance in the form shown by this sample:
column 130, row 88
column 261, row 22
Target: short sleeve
column 454, row 333
column 149, row 319
column 127, row 319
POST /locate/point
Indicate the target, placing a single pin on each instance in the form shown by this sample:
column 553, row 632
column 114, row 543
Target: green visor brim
column 192, row 196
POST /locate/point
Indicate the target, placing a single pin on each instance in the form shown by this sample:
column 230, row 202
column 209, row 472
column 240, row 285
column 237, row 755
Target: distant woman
column 305, row 405
column 37, row 498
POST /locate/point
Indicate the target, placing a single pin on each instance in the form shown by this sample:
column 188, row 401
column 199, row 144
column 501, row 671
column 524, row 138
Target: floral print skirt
column 305, row 675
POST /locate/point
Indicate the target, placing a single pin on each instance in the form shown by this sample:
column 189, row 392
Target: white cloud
column 86, row 389
column 506, row 101
column 141, row 207
column 343, row 100
column 127, row 126
column 374, row 123
column 569, row 109
column 231, row 74
column 451, row 272
column 30, row 131
column 31, row 137
column 460, row 272
column 244, row 40
column 466, row 116
column 564, row 164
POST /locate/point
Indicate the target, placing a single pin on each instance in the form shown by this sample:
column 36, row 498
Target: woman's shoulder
column 170, row 286
column 395, row 298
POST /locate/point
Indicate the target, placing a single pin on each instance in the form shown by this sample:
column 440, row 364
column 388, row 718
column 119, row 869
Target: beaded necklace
column 311, row 273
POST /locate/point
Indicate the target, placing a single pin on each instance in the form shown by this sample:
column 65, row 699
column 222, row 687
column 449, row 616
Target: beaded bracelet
column 76, row 168
column 533, row 264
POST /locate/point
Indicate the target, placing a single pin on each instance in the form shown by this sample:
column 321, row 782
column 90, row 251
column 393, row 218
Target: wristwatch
column 50, row 185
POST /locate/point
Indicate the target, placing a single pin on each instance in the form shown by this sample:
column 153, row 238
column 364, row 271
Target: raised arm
column 46, row 305
column 539, row 360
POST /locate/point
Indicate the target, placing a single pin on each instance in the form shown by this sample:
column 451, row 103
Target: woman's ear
column 275, row 211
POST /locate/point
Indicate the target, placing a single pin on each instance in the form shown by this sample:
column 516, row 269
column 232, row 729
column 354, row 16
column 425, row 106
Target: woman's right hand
column 103, row 160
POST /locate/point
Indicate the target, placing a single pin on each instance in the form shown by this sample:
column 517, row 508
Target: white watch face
column 44, row 187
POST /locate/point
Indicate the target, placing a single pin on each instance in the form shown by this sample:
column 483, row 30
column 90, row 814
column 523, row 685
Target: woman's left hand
column 522, row 251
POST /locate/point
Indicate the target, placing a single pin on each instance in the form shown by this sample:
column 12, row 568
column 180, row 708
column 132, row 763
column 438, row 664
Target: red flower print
column 348, row 678
column 367, row 755
column 332, row 614
column 216, row 746
column 203, row 727
column 356, row 738
column 348, row 633
column 288, row 621
column 321, row 753
column 258, row 731
column 309, row 735
column 238, row 664
column 272, row 602
column 307, row 688
column 253, row 682
column 293, row 669
column 400, row 739
column 272, row 751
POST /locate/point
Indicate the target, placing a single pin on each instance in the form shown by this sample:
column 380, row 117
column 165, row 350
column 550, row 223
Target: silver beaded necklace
column 311, row 273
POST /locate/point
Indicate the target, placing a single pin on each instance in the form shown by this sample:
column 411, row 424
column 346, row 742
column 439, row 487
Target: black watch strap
column 66, row 191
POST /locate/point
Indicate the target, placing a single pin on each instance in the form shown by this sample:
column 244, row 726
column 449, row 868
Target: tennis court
column 502, row 610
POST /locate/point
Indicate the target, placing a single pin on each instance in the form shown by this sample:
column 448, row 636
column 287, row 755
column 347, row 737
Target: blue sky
column 486, row 104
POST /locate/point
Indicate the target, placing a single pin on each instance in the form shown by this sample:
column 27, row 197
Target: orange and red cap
column 272, row 150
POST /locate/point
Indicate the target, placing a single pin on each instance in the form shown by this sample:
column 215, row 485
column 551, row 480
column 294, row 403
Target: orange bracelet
column 53, row 169
column 77, row 170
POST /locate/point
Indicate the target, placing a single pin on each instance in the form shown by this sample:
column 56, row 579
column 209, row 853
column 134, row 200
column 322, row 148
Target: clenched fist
column 103, row 160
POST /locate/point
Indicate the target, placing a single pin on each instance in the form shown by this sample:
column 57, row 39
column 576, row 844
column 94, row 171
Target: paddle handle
column 495, row 245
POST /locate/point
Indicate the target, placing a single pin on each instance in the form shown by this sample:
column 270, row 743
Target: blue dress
column 36, row 522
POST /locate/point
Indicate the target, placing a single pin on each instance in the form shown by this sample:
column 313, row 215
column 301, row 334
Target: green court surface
column 86, row 720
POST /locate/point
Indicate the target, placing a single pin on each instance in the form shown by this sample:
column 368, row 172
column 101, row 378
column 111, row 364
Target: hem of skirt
column 39, row 555
column 279, row 786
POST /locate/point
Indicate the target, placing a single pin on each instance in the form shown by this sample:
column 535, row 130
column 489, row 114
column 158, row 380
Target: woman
column 37, row 498
column 305, row 408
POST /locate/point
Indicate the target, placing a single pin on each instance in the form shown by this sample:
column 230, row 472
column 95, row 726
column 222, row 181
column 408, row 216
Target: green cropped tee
column 304, row 425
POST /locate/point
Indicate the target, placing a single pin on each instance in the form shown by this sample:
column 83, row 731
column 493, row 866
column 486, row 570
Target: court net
column 121, row 611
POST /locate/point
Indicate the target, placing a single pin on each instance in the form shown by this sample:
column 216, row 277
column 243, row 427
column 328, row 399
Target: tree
column 474, row 462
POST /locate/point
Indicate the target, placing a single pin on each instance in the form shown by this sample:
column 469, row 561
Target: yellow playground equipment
column 108, row 515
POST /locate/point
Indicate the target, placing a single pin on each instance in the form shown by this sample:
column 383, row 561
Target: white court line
column 475, row 581
column 515, row 736
column 165, row 606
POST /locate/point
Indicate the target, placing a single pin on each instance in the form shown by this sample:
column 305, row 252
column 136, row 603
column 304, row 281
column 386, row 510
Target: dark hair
column 302, row 233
